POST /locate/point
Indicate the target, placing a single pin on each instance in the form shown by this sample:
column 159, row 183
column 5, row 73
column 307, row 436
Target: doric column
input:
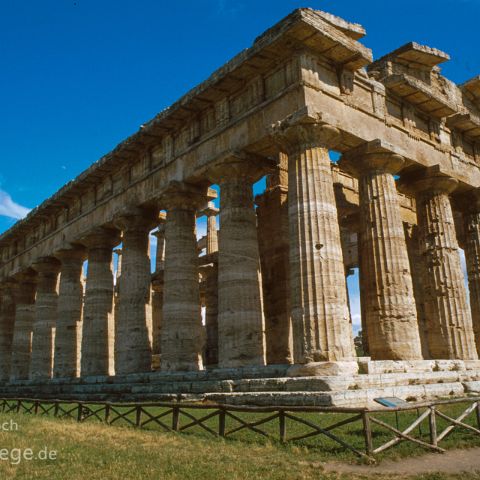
column 41, row 363
column 240, row 317
column 210, row 274
column 157, row 292
column 133, row 349
column 212, row 237
column 319, row 310
column 7, row 320
column 471, row 215
column 98, row 321
column 25, row 289
column 273, row 241
column 182, row 336
column 390, row 310
column 450, row 332
column 417, row 267
column 69, row 320
column 210, row 277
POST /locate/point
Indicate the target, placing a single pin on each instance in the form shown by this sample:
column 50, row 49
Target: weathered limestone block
column 98, row 326
column 319, row 310
column 182, row 336
column 450, row 331
column 240, row 315
column 7, row 320
column 390, row 310
column 133, row 350
column 472, row 258
column 25, row 289
column 272, row 215
column 323, row 369
column 69, row 320
column 46, row 304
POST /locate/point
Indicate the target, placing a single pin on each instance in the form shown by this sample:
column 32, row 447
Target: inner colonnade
column 398, row 204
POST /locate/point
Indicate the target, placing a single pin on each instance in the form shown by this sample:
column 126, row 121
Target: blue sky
column 79, row 76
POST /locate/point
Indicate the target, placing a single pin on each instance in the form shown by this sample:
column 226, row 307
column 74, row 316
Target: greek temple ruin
column 400, row 201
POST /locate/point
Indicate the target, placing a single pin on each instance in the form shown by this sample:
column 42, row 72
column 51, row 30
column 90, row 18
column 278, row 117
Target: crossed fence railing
column 225, row 421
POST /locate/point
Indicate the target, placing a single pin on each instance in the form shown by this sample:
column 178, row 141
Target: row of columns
column 36, row 309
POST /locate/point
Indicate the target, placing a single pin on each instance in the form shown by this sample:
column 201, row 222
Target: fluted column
column 157, row 291
column 417, row 267
column 98, row 321
column 210, row 275
column 25, row 289
column 69, row 321
column 7, row 320
column 133, row 349
column 46, row 304
column 212, row 236
column 319, row 310
column 390, row 310
column 272, row 215
column 450, row 332
column 240, row 317
column 182, row 335
column 471, row 208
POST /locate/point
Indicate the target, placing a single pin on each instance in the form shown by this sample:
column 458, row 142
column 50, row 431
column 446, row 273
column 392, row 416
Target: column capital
column 74, row 255
column 210, row 210
column 47, row 266
column 240, row 164
column 183, row 196
column 101, row 237
column 375, row 156
column 26, row 276
column 427, row 182
column 136, row 219
column 297, row 133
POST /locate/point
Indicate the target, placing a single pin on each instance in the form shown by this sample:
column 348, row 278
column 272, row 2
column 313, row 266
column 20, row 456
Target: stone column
column 319, row 310
column 417, row 267
column 182, row 336
column 273, row 240
column 210, row 274
column 240, row 317
column 7, row 320
column 390, row 310
column 471, row 214
column 25, row 289
column 157, row 294
column 69, row 321
column 98, row 321
column 46, row 304
column 133, row 349
column 450, row 332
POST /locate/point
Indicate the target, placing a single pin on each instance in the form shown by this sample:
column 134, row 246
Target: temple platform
column 270, row 385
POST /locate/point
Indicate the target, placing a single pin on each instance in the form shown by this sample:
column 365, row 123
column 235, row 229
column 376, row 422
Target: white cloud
column 9, row 208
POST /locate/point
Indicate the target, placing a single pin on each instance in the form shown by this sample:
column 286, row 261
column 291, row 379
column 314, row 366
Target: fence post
column 221, row 422
column 107, row 413
column 433, row 426
column 175, row 418
column 79, row 413
column 367, row 430
column 19, row 404
column 138, row 416
column 478, row 414
column 282, row 426
column 55, row 410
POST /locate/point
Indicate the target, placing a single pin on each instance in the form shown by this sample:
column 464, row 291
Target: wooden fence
column 228, row 420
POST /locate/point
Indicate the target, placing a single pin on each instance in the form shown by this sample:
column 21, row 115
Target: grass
column 92, row 450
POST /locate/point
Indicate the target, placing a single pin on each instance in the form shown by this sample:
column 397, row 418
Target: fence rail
column 225, row 421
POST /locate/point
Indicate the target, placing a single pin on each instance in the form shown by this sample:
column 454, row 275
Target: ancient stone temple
column 257, row 311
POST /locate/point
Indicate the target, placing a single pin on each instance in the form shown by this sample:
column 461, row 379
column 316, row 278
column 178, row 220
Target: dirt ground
column 450, row 462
